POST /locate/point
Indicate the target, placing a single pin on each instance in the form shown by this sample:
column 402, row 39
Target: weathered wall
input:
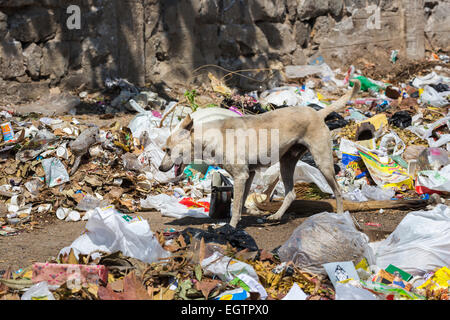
column 164, row 41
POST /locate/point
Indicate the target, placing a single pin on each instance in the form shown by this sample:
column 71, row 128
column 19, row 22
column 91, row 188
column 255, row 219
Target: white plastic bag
column 323, row 238
column 355, row 195
column 434, row 98
column 389, row 138
column 39, row 291
column 55, row 172
column 419, row 244
column 109, row 230
column 303, row 173
column 282, row 96
column 377, row 193
column 295, row 293
column 227, row 269
column 169, row 206
column 431, row 78
column 345, row 291
column 435, row 180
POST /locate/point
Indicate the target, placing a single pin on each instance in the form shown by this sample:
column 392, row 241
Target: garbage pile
column 391, row 143
column 120, row 258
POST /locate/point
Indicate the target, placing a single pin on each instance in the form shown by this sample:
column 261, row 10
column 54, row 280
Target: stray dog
column 298, row 129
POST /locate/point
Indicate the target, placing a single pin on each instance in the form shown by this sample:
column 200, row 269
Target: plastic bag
column 412, row 152
column 401, row 119
column 295, row 293
column 434, row 98
column 226, row 234
column 39, row 291
column 433, row 181
column 111, row 231
column 227, row 269
column 281, row 96
column 169, row 206
column 377, row 193
column 419, row 244
column 431, row 78
column 323, row 238
column 392, row 139
column 303, row 173
column 433, row 159
column 355, row 195
column 55, row 172
column 89, row 203
column 345, row 291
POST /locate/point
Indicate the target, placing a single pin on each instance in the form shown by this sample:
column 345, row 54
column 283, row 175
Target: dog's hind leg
column 323, row 157
column 248, row 185
column 287, row 167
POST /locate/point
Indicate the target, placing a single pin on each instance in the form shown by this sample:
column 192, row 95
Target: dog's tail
column 342, row 102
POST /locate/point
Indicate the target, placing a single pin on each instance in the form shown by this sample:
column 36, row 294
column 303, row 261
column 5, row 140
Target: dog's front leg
column 238, row 201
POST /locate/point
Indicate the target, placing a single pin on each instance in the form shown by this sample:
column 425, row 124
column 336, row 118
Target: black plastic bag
column 333, row 121
column 238, row 239
column 401, row 119
column 440, row 87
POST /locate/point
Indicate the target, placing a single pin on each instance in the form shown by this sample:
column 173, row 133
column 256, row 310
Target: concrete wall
column 163, row 41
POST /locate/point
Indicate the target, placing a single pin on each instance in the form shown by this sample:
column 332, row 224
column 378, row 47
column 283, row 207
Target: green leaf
column 198, row 272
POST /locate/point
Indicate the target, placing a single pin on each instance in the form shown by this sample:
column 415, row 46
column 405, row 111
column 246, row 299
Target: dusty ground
column 41, row 244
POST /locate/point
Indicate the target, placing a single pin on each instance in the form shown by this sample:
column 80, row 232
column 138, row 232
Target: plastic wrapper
column 390, row 293
column 440, row 279
column 385, row 172
column 110, row 231
column 352, row 161
column 36, row 146
column 324, row 238
column 419, row 244
column 39, row 291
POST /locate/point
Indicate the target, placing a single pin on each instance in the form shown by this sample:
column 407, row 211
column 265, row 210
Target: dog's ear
column 187, row 123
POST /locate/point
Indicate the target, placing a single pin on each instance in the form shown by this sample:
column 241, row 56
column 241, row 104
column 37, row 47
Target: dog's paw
column 274, row 217
column 253, row 211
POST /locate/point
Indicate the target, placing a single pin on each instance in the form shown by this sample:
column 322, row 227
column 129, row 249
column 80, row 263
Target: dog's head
column 178, row 148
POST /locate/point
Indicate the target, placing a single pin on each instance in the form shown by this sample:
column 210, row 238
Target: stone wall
column 163, row 41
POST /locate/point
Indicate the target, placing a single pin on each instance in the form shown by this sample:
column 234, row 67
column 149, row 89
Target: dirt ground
column 42, row 243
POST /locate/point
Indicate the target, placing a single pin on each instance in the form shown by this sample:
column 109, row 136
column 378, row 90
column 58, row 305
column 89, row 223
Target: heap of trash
column 392, row 143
